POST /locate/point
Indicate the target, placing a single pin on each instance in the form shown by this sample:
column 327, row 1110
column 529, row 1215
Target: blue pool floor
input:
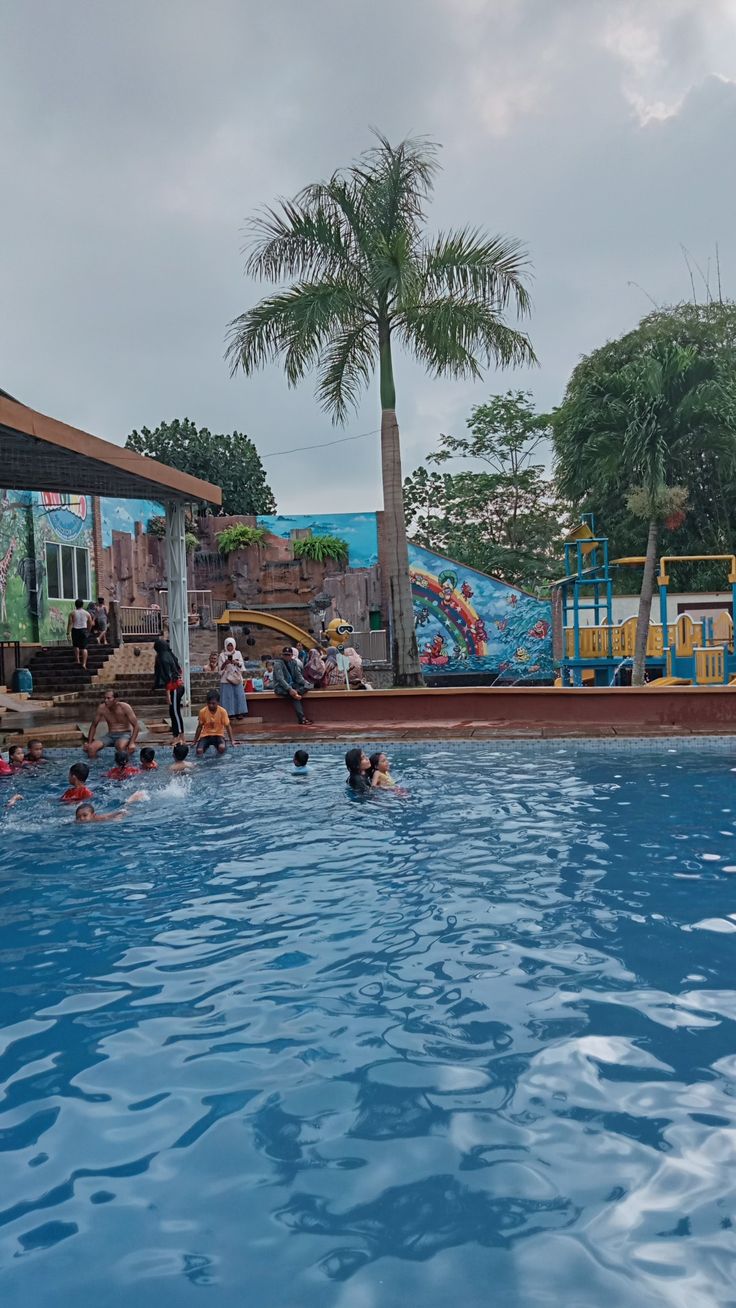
column 264, row 1045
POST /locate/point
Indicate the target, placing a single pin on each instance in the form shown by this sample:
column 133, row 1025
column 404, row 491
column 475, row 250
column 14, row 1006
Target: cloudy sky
column 135, row 138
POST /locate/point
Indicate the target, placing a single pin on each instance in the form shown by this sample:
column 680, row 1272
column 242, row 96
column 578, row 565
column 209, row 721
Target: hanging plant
column 239, row 537
column 321, row 548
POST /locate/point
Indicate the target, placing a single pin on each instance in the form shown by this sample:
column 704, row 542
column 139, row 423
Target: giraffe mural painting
column 46, row 562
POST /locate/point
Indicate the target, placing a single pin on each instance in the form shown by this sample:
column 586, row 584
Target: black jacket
column 287, row 675
column 167, row 666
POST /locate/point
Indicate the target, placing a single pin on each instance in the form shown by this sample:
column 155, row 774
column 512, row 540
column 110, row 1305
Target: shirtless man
column 122, row 726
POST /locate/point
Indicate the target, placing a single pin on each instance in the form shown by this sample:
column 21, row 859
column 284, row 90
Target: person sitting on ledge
column 289, row 683
column 122, row 726
column 213, row 726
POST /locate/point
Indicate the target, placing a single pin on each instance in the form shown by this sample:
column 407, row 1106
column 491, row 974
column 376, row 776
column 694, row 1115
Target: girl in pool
column 358, row 765
column 381, row 778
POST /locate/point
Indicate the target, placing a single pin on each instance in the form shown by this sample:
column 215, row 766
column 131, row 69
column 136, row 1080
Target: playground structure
column 252, row 618
column 691, row 651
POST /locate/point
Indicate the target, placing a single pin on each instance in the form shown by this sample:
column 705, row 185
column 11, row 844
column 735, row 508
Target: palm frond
column 295, row 324
column 297, row 239
column 449, row 333
column 346, row 367
column 467, row 261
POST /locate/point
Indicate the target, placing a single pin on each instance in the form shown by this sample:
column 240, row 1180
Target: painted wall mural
column 30, row 522
column 468, row 622
column 122, row 515
column 360, row 530
column 17, row 568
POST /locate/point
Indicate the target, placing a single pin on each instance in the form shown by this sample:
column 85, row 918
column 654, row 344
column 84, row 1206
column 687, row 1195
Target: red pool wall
column 695, row 709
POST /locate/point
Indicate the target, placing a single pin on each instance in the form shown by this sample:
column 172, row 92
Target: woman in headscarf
column 232, row 669
column 314, row 668
column 167, row 673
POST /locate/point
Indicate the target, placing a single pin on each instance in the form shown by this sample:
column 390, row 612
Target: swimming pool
column 263, row 1044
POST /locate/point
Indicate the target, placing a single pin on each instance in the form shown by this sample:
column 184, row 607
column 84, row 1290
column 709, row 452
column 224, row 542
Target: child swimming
column 301, row 763
column 180, row 763
column 148, row 759
column 77, row 790
column 358, row 765
column 380, row 776
column 123, row 767
column 35, row 752
column 16, row 757
column 87, row 812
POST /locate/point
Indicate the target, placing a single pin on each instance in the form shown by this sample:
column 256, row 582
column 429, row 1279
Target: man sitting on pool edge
column 122, row 726
column 212, row 727
column 289, row 683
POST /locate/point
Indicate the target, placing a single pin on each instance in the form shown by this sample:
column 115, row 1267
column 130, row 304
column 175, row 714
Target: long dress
column 232, row 697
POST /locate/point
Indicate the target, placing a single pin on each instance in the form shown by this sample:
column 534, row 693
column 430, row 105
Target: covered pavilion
column 38, row 453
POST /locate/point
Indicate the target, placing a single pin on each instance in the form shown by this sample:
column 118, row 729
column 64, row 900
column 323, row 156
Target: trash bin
column 22, row 682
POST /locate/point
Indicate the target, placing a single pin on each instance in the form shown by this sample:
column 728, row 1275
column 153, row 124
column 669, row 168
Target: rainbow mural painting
column 66, row 513
column 468, row 622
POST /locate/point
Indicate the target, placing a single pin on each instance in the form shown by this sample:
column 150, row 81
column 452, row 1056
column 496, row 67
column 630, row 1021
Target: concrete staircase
column 56, row 673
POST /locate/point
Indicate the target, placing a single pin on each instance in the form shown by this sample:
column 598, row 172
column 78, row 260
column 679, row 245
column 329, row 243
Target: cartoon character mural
column 469, row 622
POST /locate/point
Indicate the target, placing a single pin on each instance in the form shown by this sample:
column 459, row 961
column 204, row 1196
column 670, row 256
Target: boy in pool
column 78, row 790
column 181, row 763
column 123, row 767
column 148, row 759
column 87, row 812
column 35, row 752
column 301, row 763
column 213, row 726
column 16, row 757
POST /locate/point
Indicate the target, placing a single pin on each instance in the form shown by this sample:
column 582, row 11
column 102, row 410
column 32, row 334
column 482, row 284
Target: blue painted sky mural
column 469, row 622
column 360, row 530
column 122, row 515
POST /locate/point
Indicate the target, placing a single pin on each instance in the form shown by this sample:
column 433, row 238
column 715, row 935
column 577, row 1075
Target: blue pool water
column 264, row 1045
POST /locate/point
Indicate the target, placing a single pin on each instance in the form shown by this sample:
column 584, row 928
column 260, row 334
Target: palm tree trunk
column 404, row 649
column 645, row 607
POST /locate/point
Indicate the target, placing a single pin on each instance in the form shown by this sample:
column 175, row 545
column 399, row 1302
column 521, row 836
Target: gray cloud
column 135, row 139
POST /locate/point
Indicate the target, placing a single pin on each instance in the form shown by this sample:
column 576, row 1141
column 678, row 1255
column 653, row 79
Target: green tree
column 709, row 525
column 505, row 521
column 638, row 428
column 229, row 461
column 365, row 277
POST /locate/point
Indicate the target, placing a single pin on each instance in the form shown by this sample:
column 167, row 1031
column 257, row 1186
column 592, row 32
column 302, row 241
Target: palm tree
column 363, row 276
column 632, row 428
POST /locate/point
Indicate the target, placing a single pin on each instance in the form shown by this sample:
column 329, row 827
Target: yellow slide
column 670, row 681
column 251, row 618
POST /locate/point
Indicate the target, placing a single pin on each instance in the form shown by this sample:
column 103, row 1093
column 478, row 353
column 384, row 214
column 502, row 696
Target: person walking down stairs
column 79, row 627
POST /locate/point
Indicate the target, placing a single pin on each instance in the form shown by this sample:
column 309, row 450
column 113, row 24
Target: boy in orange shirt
column 148, row 759
column 77, row 791
column 213, row 726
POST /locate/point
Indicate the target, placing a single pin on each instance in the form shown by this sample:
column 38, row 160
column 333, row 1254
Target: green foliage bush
column 239, row 537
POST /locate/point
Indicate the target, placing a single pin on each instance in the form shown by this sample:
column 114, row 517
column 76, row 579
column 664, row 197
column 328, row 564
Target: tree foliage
column 704, row 467
column 505, row 521
column 230, row 461
column 357, row 274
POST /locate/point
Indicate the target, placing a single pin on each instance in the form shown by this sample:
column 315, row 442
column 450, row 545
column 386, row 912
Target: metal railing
column 371, row 645
column 199, row 603
column 136, row 621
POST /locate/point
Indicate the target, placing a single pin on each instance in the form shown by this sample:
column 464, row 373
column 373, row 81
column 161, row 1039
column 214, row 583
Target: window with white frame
column 67, row 572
